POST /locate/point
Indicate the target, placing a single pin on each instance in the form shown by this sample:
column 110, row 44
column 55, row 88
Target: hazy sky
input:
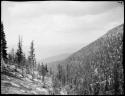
column 58, row 27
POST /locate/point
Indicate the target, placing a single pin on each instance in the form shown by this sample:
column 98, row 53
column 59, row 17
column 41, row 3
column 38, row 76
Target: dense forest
column 96, row 69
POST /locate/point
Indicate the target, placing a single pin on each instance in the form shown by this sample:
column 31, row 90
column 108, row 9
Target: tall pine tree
column 11, row 56
column 19, row 53
column 3, row 50
column 32, row 59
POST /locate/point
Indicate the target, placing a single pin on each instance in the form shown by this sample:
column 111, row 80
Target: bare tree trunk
column 42, row 78
column 2, row 64
column 43, row 81
column 22, row 68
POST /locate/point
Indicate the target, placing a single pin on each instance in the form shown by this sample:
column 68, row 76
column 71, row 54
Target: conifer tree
column 46, row 68
column 20, row 56
column 59, row 75
column 11, row 56
column 43, row 72
column 116, row 81
column 50, row 71
column 67, row 73
column 32, row 59
column 19, row 53
column 3, row 44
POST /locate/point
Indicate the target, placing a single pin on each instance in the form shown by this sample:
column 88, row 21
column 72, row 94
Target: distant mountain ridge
column 56, row 58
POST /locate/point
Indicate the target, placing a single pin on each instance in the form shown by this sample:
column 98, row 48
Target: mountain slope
column 98, row 62
column 108, row 40
column 100, row 48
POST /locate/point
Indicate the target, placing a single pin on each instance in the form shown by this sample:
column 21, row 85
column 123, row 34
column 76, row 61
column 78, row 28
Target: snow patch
column 39, row 89
column 35, row 80
column 19, row 70
column 44, row 91
column 27, row 79
column 5, row 81
column 29, row 76
column 14, row 84
column 12, row 67
column 33, row 92
column 63, row 92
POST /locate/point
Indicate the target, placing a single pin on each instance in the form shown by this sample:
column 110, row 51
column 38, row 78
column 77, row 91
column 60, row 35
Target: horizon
column 58, row 27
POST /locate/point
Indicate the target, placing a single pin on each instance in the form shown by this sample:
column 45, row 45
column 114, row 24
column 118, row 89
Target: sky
column 58, row 27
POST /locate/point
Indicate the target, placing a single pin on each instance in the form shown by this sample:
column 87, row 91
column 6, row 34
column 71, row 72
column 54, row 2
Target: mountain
column 99, row 62
column 56, row 58
column 106, row 41
column 103, row 55
column 112, row 38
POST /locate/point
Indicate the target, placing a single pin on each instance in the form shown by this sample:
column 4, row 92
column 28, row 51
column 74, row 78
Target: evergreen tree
column 59, row 74
column 28, row 67
column 50, row 71
column 11, row 56
column 38, row 68
column 116, row 81
column 46, row 68
column 32, row 59
column 20, row 57
column 3, row 44
column 67, row 73
column 24, row 64
column 43, row 71
column 19, row 54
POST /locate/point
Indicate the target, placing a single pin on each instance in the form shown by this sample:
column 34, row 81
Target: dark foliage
column 3, row 50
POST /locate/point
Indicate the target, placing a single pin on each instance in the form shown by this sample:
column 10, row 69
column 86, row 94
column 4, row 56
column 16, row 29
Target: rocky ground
column 12, row 82
column 12, row 85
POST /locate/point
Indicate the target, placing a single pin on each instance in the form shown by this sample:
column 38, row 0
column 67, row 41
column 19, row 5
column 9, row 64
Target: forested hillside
column 96, row 68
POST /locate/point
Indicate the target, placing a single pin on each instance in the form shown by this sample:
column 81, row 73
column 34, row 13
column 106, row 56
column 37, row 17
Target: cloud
column 58, row 27
column 73, row 8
